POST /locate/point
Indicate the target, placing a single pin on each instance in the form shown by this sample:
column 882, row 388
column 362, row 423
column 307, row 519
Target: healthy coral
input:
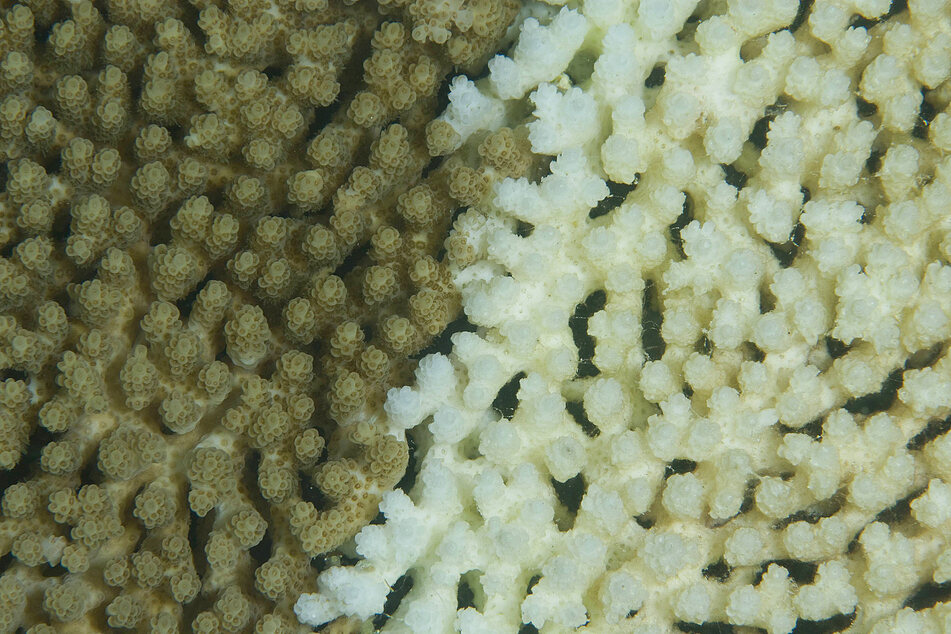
column 199, row 321
column 708, row 382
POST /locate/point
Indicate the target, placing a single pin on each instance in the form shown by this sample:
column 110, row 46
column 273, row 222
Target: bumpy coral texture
column 707, row 384
column 221, row 241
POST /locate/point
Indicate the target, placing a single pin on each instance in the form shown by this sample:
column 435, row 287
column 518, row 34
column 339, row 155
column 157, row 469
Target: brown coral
column 219, row 252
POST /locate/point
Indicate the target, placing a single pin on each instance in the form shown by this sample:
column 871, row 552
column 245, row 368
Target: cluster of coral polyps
column 709, row 383
column 221, row 240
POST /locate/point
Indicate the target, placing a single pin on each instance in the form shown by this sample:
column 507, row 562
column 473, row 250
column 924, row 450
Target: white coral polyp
column 730, row 319
column 565, row 120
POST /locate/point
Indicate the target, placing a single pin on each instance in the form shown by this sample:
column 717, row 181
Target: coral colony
column 222, row 242
column 478, row 316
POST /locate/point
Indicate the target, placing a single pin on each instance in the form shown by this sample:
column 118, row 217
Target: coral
column 206, row 288
column 706, row 382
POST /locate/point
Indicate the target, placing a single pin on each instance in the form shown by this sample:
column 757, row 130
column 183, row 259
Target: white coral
column 770, row 316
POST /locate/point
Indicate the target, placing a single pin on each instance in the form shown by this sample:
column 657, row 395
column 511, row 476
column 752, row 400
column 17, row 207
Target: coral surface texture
column 703, row 378
column 221, row 242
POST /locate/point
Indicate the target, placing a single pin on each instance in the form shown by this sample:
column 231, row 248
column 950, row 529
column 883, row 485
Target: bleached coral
column 709, row 378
